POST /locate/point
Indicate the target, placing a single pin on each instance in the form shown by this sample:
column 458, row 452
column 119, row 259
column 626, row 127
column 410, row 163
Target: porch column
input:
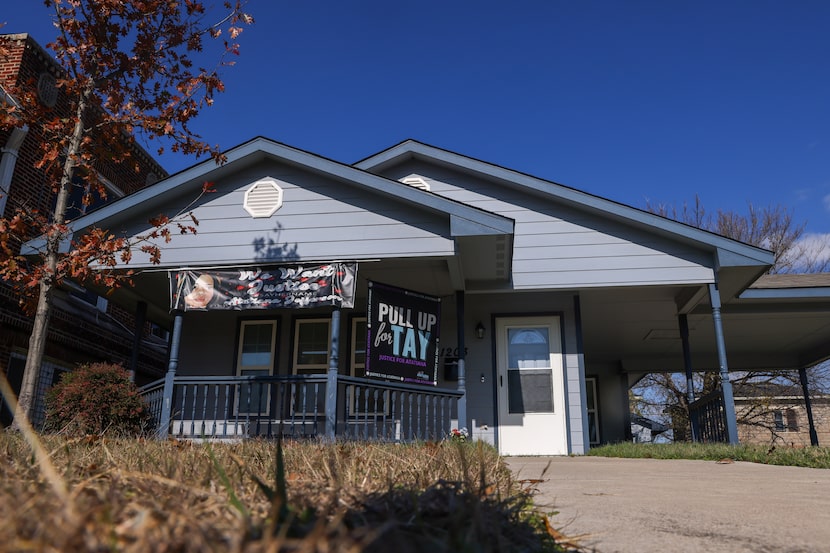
column 626, row 404
column 462, row 377
column 802, row 376
column 331, row 382
column 726, row 384
column 140, row 319
column 683, row 321
column 170, row 377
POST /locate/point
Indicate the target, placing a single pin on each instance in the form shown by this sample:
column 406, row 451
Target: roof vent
column 416, row 182
column 263, row 198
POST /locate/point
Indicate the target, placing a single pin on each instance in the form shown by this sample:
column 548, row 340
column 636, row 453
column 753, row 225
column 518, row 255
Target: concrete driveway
column 648, row 505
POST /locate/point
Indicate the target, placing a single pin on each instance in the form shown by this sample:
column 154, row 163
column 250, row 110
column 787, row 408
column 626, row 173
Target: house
column 547, row 302
column 85, row 326
column 775, row 413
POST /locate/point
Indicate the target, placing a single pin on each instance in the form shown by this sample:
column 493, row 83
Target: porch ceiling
column 638, row 329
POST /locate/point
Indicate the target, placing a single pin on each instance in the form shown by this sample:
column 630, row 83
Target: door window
column 529, row 378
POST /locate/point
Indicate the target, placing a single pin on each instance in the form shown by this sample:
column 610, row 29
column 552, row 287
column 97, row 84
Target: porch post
column 626, row 404
column 683, row 321
column 140, row 319
column 726, row 384
column 170, row 377
column 331, row 382
column 802, row 376
column 462, row 377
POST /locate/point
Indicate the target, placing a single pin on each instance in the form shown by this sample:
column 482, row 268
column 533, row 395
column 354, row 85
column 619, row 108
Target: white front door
column 531, row 387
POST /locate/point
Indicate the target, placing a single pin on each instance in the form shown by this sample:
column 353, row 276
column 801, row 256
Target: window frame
column 274, row 352
column 309, row 368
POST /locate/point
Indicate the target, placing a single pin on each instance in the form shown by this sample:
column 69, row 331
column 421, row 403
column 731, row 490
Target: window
column 529, row 377
column 75, row 206
column 792, row 420
column 159, row 331
column 257, row 352
column 785, row 420
column 593, row 413
column 311, row 345
column 87, row 296
column 778, row 419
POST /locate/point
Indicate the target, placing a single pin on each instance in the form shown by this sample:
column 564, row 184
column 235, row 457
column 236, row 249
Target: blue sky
column 629, row 100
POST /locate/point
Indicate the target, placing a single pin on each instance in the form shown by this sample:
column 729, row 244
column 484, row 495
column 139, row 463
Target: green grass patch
column 812, row 457
column 146, row 495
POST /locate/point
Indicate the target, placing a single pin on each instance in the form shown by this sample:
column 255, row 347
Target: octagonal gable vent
column 263, row 198
column 416, row 182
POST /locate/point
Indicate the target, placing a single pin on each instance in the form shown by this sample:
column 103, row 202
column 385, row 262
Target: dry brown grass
column 142, row 495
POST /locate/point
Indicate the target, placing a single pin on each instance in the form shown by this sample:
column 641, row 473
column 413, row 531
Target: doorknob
column 501, row 380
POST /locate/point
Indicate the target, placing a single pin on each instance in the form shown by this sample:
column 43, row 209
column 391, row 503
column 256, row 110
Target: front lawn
column 109, row 494
column 813, row 457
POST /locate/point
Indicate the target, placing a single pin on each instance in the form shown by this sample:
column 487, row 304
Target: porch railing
column 708, row 418
column 219, row 407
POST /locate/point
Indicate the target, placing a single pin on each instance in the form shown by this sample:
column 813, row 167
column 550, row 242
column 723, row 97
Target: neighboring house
column 84, row 325
column 771, row 413
column 645, row 430
column 552, row 301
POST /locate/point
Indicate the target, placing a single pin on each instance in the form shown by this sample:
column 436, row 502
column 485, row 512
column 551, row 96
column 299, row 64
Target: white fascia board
column 817, row 293
column 409, row 149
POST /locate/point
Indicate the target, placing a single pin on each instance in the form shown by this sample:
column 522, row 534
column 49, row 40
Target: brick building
column 776, row 414
column 84, row 326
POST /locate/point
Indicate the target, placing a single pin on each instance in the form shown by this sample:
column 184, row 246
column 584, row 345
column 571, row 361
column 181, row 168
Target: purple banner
column 294, row 287
column 403, row 333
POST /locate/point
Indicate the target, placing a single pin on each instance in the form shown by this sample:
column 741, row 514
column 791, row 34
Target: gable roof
column 790, row 286
column 464, row 220
column 729, row 252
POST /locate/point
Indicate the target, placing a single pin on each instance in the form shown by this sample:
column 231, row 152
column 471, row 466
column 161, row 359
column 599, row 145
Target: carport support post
column 331, row 382
column 726, row 384
column 462, row 377
column 683, row 321
column 170, row 378
column 808, row 405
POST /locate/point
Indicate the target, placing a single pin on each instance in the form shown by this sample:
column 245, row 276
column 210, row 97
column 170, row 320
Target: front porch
column 330, row 406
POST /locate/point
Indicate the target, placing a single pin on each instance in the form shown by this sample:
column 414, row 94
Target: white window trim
column 311, row 368
column 269, row 367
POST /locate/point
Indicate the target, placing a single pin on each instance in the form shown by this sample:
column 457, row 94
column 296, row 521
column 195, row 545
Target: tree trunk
column 40, row 325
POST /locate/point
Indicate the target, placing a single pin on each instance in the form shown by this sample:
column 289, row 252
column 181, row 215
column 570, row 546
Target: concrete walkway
column 648, row 505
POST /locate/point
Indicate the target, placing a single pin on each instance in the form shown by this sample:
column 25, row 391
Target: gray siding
column 556, row 246
column 320, row 219
column 209, row 342
column 480, row 362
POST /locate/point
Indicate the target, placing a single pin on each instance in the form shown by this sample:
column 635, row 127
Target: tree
column 773, row 228
column 130, row 68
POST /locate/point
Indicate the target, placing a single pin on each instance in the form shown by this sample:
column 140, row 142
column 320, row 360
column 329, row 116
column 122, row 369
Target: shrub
column 96, row 398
